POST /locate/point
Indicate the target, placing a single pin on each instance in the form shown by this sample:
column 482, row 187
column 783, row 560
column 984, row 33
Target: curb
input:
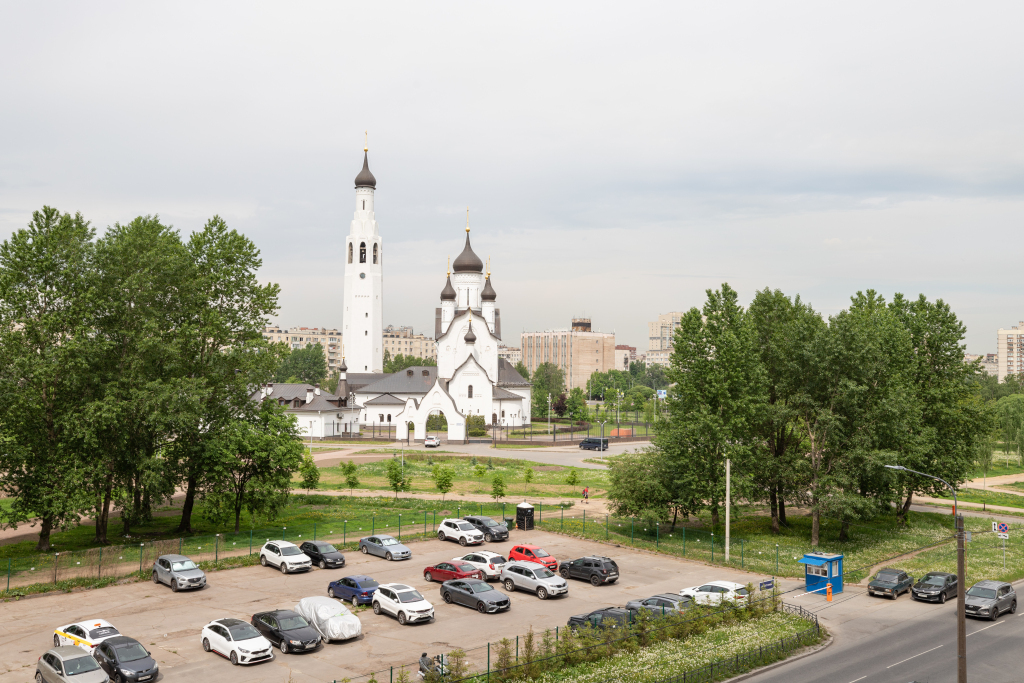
column 812, row 651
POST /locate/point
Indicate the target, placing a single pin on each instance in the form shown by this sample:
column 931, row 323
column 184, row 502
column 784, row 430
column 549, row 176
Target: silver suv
column 178, row 572
column 989, row 599
column 531, row 576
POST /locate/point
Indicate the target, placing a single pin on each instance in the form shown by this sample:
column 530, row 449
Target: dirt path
column 966, row 505
column 595, row 506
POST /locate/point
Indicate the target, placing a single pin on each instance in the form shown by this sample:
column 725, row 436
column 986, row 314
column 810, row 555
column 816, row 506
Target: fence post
column 606, row 527
column 424, row 522
column 399, row 527
column 584, row 522
column 517, row 649
column 632, row 524
column 742, row 565
column 99, row 570
column 561, row 525
column 712, row 546
column 684, row 541
column 541, row 511
column 250, row 541
column 657, row 535
column 314, row 531
column 142, row 546
column 489, row 661
column 179, row 546
column 373, row 524
column 8, row 573
column 216, row 548
column 344, row 532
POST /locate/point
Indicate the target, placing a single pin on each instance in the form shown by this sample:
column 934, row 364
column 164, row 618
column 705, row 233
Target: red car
column 533, row 553
column 446, row 571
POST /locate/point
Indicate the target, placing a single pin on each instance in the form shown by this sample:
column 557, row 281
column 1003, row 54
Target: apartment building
column 989, row 362
column 402, row 340
column 624, row 355
column 579, row 351
column 510, row 353
column 301, row 337
column 1010, row 351
column 660, row 333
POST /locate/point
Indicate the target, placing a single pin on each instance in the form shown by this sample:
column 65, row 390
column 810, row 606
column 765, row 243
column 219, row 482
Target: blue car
column 356, row 589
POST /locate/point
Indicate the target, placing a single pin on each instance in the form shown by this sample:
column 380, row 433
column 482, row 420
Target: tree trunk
column 186, row 509
column 103, row 518
column 714, row 516
column 815, row 522
column 773, row 499
column 675, row 515
column 782, row 508
column 45, row 526
column 844, row 531
column 905, row 510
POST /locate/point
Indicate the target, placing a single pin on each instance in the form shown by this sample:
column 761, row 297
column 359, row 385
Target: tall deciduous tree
column 307, row 365
column 548, row 378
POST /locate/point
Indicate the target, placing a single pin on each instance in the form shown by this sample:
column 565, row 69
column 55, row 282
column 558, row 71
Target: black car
column 594, row 443
column 663, row 603
column 125, row 660
column 595, row 569
column 609, row 617
column 989, row 599
column 492, row 531
column 475, row 593
column 286, row 629
column 889, row 583
column 323, row 554
column 935, row 587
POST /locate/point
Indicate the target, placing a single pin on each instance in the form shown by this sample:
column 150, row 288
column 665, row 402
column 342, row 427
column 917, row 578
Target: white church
column 469, row 379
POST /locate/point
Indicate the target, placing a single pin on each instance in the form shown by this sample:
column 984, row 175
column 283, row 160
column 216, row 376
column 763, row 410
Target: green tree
column 572, row 479
column 641, row 485
column 307, row 365
column 527, row 477
column 560, row 404
column 397, row 481
column 576, row 406
column 444, row 478
column 351, row 471
column 523, row 371
column 1010, row 410
column 498, row 488
column 479, row 470
column 401, row 362
column 310, row 473
column 548, row 378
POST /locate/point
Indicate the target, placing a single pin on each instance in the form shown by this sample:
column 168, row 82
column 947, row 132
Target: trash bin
column 524, row 516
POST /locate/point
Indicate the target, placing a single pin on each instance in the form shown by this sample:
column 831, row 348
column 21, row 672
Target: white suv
column 285, row 556
column 459, row 530
column 405, row 602
column 717, row 592
column 487, row 562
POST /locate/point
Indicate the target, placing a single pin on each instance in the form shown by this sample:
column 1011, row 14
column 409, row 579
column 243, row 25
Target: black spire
column 365, row 178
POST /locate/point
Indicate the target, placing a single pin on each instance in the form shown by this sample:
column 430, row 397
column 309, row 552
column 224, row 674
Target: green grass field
column 989, row 497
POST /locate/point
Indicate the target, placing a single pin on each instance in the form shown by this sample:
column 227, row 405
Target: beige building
column 301, row 337
column 510, row 353
column 660, row 333
column 1010, row 351
column 989, row 362
column 578, row 351
column 402, row 340
column 624, row 355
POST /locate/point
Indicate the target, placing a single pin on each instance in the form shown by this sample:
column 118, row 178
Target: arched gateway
column 437, row 399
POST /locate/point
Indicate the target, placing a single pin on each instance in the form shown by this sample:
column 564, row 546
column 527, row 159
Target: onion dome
column 365, row 178
column 467, row 261
column 344, row 367
column 448, row 293
column 470, row 338
column 488, row 294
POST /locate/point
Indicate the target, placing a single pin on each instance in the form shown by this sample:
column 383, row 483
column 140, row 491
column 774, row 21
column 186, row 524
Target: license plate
column 144, row 678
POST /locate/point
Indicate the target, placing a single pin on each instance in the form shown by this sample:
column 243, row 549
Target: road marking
column 983, row 629
column 909, row 658
column 858, row 679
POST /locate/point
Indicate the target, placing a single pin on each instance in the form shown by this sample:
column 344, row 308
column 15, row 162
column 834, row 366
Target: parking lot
column 169, row 623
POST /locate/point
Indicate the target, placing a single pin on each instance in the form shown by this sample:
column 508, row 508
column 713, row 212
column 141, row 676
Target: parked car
column 663, row 603
column 594, row 443
column 475, row 593
column 608, row 617
column 487, row 562
column 520, row 575
column 286, row 629
column 178, row 572
column 459, row 530
column 126, row 660
column 989, row 599
column 384, row 546
column 890, row 583
column 330, row 618
column 323, row 554
column 595, row 569
column 404, row 602
column 357, row 589
column 85, row 634
column 432, row 442
column 285, row 556
column 237, row 641
column 935, row 587
column 492, row 530
column 532, row 553
column 446, row 571
column 68, row 663
column 716, row 592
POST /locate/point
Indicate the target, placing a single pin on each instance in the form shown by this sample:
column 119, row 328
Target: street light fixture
column 961, row 617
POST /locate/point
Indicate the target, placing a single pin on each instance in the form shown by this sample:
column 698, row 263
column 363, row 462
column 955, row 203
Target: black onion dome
column 468, row 262
column 448, row 293
column 344, row 366
column 470, row 337
column 488, row 294
column 365, row 178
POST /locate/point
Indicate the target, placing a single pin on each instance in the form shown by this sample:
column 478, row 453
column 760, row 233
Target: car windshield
column 80, row 665
column 410, row 596
column 290, row 550
column 290, row 623
column 543, row 573
column 490, row 522
column 481, row 587
column 934, row 580
column 541, row 553
column 466, row 568
column 130, row 652
column 982, row 592
column 103, row 632
column 388, row 541
column 368, row 583
column 183, row 566
column 741, row 591
column 465, row 526
column 243, row 632
column 887, row 577
column 327, row 548
column 498, row 559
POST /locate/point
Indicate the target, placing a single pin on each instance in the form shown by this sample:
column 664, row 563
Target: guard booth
column 524, row 516
column 822, row 569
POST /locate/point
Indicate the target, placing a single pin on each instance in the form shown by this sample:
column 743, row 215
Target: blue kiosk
column 821, row 569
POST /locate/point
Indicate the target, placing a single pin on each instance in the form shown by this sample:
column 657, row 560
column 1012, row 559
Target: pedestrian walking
column 586, row 494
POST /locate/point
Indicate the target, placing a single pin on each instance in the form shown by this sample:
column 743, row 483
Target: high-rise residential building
column 579, row 351
column 301, row 337
column 510, row 353
column 402, row 340
column 1010, row 351
column 660, row 333
column 989, row 362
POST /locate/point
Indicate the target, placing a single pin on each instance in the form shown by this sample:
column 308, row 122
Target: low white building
column 319, row 414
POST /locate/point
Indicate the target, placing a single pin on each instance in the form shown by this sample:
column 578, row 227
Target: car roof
column 396, row 586
column 229, row 622
column 383, row 536
column 280, row 543
column 938, row 574
column 281, row 613
column 527, row 545
column 896, row 570
column 485, row 553
column 359, row 577
column 66, row 652
column 724, row 584
column 989, row 583
column 670, row 596
column 523, row 563
column 120, row 640
column 173, row 558
column 93, row 623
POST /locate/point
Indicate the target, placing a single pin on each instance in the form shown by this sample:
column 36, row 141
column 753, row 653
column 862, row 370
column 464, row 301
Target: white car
column 237, row 641
column 431, row 442
column 404, row 602
column 459, row 530
column 487, row 562
column 85, row 634
column 285, row 556
column 715, row 592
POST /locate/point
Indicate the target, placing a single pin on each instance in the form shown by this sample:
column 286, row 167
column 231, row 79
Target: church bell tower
column 363, row 317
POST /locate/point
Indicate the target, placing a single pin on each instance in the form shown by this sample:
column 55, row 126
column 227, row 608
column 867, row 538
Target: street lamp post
column 549, row 412
column 961, row 618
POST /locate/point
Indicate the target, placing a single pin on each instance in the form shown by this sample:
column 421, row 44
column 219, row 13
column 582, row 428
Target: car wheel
column 481, row 608
column 234, row 658
column 595, row 580
column 447, row 597
column 427, row 577
column 942, row 598
column 401, row 618
column 462, row 541
column 995, row 613
column 174, row 586
column 510, row 585
column 362, row 549
column 56, row 640
column 323, row 565
column 388, row 557
column 376, row 608
column 39, row 677
column 542, row 593
column 440, row 536
column 330, row 592
column 263, row 560
column 489, row 538
column 206, row 644
column 355, row 601
column 895, row 595
column 564, row 573
column 1013, row 607
column 156, row 579
column 283, row 567
column 284, row 646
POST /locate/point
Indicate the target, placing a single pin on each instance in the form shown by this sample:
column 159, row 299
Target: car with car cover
column 126, row 660
column 935, row 587
column 717, row 592
column 533, row 553
column 491, row 529
column 330, row 618
column 595, row 569
column 487, row 562
column 890, row 583
column 403, row 602
column 284, row 556
column 662, row 603
column 460, row 531
column 323, row 554
column 357, row 589
column 85, row 634
column 178, row 572
column 446, row 571
column 605, row 618
column 989, row 599
column 237, row 641
column 69, row 663
column 287, row 629
column 475, row 593
column 530, row 576
column 384, row 546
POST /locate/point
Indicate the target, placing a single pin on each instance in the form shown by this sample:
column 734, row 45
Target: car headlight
column 126, row 672
column 242, row 649
column 295, row 642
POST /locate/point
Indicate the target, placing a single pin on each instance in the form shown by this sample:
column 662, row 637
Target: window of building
column 470, row 395
column 389, row 417
column 382, row 417
column 817, row 571
column 362, row 252
column 364, row 205
column 350, row 252
column 375, row 253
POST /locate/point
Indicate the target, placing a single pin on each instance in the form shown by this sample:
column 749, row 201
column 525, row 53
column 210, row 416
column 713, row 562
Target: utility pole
column 728, row 504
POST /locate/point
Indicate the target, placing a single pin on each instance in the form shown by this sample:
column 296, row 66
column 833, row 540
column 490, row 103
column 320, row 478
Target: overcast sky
column 617, row 158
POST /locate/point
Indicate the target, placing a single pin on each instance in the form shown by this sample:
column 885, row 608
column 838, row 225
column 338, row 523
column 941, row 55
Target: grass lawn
column 1002, row 463
column 983, row 556
column 470, row 478
column 989, row 497
column 1016, row 486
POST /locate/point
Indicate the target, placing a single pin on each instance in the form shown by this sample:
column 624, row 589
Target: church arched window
column 389, row 417
column 362, row 252
column 350, row 252
column 470, row 391
column 375, row 253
